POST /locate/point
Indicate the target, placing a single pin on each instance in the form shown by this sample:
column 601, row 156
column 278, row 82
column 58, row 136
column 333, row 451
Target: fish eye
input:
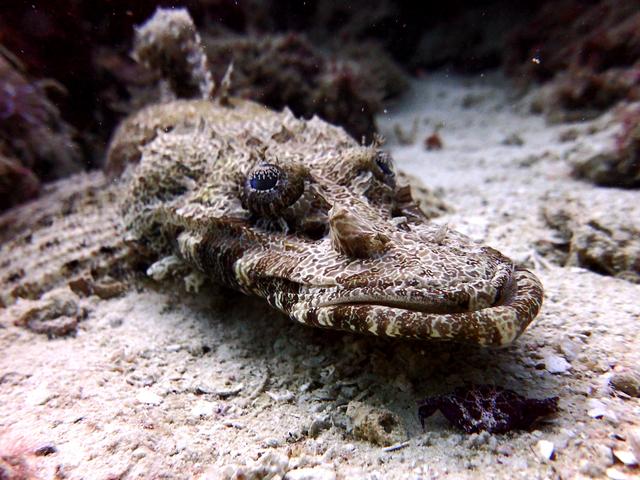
column 269, row 188
column 264, row 177
column 384, row 169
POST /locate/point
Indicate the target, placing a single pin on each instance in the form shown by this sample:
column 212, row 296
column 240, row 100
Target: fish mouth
column 457, row 317
column 434, row 301
column 398, row 303
column 459, row 302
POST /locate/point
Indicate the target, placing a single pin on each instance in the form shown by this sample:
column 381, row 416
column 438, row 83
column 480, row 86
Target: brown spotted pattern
column 327, row 236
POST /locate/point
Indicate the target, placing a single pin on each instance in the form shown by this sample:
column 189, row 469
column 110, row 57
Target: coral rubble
column 590, row 51
column 35, row 142
column 601, row 238
column 281, row 70
column 617, row 165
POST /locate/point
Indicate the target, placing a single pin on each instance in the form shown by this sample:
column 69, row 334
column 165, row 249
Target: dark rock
column 55, row 315
column 619, row 164
column 626, row 381
column 376, row 425
column 487, row 407
column 45, row 449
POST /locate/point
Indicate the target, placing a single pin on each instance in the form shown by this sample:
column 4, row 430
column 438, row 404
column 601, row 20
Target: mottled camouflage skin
column 294, row 211
column 345, row 249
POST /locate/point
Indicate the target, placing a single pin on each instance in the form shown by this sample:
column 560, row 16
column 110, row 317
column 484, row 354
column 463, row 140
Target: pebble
column 45, row 449
column 203, row 408
column 556, row 364
column 114, row 320
column 314, row 473
column 513, row 140
column 376, row 425
column 519, row 464
column 604, row 454
column 138, row 453
column 318, row 425
column 229, row 392
column 201, row 389
column 627, row 457
column 272, row 443
column 315, row 447
column 570, row 349
column 319, row 407
column 590, row 469
column 597, row 409
column 396, row 447
column 476, row 440
column 39, row 396
column 271, row 465
column 546, row 449
column 281, row 397
column 506, row 450
column 330, row 454
column 148, row 397
column 615, row 474
column 626, row 381
column 492, row 444
column 302, row 461
column 634, row 440
column 335, row 451
column 349, row 391
column 562, row 440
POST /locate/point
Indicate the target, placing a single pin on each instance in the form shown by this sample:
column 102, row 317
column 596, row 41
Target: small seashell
column 148, row 397
column 556, row 364
column 615, row 474
column 627, row 457
column 546, row 449
column 599, row 410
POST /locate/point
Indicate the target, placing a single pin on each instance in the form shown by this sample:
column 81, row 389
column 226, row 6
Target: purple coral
column 487, row 407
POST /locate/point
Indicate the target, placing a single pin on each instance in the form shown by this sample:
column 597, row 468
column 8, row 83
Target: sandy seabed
column 160, row 385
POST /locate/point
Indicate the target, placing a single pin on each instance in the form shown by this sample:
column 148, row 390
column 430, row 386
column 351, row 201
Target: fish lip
column 494, row 327
column 395, row 303
column 459, row 301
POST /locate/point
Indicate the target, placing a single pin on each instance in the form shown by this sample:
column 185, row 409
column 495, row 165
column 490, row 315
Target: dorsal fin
column 169, row 44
